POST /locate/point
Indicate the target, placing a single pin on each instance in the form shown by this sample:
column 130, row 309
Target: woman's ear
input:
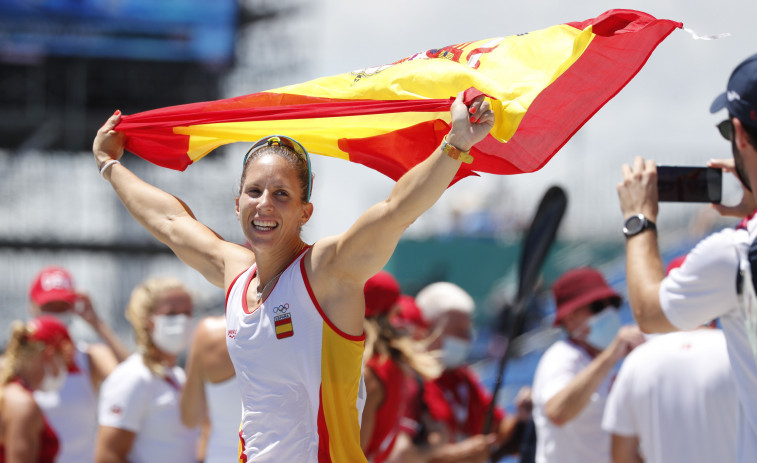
column 306, row 213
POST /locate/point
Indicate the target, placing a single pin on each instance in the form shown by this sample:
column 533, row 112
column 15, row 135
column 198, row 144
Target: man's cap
column 740, row 97
column 441, row 297
column 52, row 284
column 381, row 292
column 52, row 332
column 578, row 288
column 409, row 313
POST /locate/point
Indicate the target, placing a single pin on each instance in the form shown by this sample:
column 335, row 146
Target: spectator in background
column 139, row 412
column 675, row 400
column 407, row 317
column 457, row 400
column 717, row 278
column 573, row 377
column 38, row 357
column 72, row 410
column 393, row 362
column 211, row 395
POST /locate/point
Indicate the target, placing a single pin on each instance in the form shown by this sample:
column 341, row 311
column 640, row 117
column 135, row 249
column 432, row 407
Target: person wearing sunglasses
column 573, row 377
column 717, row 278
column 294, row 312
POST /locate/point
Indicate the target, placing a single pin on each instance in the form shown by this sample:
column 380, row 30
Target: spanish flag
column 543, row 85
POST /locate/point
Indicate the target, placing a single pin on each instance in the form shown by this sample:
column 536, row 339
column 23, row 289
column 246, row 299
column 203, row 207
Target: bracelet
column 455, row 152
column 107, row 164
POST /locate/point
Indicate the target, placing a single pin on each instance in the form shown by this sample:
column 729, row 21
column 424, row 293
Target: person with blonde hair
column 72, row 411
column 37, row 357
column 393, row 362
column 139, row 413
column 294, row 311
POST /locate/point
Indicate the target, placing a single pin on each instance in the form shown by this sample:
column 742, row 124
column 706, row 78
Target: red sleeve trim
column 320, row 310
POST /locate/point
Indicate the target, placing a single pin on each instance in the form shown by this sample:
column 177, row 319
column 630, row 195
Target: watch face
column 634, row 225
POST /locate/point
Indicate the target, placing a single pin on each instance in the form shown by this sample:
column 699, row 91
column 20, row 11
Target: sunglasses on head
column 291, row 143
column 726, row 129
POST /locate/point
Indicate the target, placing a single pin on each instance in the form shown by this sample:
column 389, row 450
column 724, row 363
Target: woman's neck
column 270, row 265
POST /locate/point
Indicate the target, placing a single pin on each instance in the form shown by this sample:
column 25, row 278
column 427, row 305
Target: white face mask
column 171, row 333
column 52, row 382
column 455, row 351
column 603, row 328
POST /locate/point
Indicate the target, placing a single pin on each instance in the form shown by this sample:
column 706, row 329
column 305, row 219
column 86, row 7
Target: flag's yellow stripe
column 319, row 136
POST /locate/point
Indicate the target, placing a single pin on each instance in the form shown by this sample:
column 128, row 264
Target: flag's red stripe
column 181, row 116
column 324, row 452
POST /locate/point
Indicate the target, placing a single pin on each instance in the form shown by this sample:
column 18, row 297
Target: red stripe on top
column 324, row 451
column 320, row 310
column 228, row 290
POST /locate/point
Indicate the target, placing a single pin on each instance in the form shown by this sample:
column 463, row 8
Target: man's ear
column 741, row 137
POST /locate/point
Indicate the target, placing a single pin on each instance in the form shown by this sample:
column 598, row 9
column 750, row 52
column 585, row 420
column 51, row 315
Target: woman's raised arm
column 166, row 217
column 366, row 247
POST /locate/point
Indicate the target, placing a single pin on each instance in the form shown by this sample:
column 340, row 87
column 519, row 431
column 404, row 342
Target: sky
column 662, row 114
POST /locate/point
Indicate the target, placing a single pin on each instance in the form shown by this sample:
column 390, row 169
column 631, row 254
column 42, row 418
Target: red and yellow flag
column 544, row 86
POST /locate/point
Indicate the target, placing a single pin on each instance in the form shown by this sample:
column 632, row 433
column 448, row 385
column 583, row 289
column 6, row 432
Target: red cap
column 52, row 284
column 675, row 263
column 51, row 331
column 409, row 313
column 381, row 293
column 580, row 287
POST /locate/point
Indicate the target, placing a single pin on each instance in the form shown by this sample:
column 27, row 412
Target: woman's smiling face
column 269, row 206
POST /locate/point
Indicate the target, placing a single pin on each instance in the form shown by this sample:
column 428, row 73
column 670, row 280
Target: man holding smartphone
column 715, row 281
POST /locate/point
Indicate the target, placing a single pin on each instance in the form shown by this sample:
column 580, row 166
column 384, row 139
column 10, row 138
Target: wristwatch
column 637, row 224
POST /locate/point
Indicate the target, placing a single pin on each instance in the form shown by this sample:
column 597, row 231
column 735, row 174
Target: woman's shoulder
column 18, row 402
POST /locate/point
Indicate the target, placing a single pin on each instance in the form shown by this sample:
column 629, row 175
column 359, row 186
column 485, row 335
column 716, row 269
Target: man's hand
column 747, row 205
column 638, row 190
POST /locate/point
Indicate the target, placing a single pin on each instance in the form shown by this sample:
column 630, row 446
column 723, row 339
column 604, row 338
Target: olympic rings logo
column 281, row 309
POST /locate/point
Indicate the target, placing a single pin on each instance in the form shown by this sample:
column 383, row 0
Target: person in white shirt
column 574, row 375
column 675, row 400
column 72, row 410
column 716, row 279
column 139, row 413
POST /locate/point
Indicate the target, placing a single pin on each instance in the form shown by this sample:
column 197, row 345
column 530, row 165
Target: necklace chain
column 260, row 293
column 275, row 277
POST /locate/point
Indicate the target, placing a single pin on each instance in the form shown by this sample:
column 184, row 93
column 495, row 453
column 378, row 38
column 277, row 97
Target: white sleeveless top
column 72, row 412
column 300, row 376
column 224, row 411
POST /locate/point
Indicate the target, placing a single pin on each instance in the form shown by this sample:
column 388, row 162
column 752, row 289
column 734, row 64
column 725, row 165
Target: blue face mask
column 602, row 328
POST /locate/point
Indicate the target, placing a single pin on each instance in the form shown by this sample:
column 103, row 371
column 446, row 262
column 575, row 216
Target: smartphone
column 689, row 184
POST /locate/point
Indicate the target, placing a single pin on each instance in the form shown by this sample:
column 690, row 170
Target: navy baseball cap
column 740, row 97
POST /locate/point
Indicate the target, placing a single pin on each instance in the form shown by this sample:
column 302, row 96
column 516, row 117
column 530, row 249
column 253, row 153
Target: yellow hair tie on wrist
column 455, row 152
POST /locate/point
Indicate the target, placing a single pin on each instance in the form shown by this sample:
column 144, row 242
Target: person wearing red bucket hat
column 717, row 280
column 37, row 357
column 394, row 361
column 72, row 410
column 573, row 377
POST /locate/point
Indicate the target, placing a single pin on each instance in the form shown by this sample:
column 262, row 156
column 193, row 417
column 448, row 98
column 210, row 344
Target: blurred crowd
column 675, row 386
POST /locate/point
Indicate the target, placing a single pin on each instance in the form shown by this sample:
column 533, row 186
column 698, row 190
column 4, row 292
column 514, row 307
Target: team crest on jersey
column 282, row 321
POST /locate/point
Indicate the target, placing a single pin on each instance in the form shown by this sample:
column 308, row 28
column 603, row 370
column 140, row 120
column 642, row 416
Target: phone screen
column 689, row 184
